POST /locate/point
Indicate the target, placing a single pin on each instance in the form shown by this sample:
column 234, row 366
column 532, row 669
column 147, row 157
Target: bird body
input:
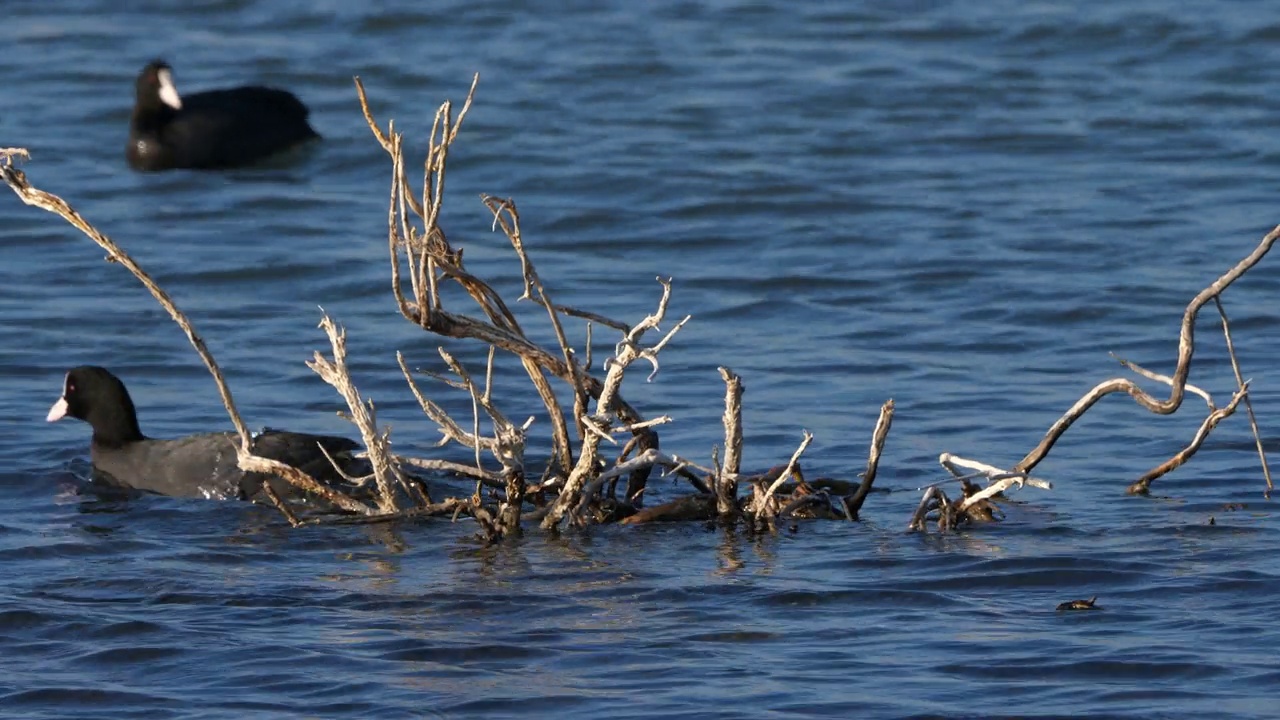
column 210, row 130
column 202, row 465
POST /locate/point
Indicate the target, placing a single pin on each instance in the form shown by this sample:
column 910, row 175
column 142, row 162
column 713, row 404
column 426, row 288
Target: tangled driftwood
column 578, row 484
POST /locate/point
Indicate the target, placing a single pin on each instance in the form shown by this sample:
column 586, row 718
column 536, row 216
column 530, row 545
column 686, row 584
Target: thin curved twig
column 1143, row 484
column 17, row 181
column 1248, row 404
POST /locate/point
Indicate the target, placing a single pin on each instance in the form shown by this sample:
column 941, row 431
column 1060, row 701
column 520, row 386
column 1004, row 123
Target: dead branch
column 488, row 477
column 1186, row 346
column 429, row 257
column 932, row 499
column 506, row 215
column 280, row 504
column 391, row 482
column 1240, row 383
column 626, row 353
column 17, row 181
column 299, row 479
column 449, row 506
column 990, row 491
column 507, row 445
column 975, row 504
column 726, row 482
column 507, row 448
column 644, row 460
column 1143, row 484
column 953, row 463
column 447, row 425
column 1152, row 375
column 762, row 503
column 1216, row 415
column 427, row 252
column 853, row 503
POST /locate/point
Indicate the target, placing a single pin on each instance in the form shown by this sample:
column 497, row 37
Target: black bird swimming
column 201, row 465
column 212, row 129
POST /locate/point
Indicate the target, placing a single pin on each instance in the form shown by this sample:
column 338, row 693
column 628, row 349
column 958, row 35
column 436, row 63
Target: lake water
column 961, row 206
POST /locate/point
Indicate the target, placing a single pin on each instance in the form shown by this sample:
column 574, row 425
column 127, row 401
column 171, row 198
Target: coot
column 195, row 466
column 213, row 129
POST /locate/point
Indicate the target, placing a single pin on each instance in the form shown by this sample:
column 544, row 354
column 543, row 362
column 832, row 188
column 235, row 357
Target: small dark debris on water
column 1079, row 605
column 1229, row 507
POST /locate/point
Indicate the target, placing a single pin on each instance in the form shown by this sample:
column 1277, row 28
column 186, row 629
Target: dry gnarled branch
column 1186, row 347
column 1178, row 387
column 391, row 481
column 424, row 266
column 726, row 481
column 627, row 352
column 763, row 504
column 853, row 503
column 1143, row 484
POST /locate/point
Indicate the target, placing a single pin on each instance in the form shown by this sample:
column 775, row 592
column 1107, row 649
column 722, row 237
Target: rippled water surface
column 962, row 206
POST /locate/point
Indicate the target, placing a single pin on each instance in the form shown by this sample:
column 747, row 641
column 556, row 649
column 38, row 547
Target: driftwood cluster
column 603, row 450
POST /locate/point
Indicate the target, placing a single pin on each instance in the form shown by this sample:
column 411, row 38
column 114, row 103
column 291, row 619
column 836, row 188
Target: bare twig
column 648, row 458
column 1143, row 484
column 17, row 181
column 625, row 354
column 363, row 415
column 8, row 154
column 853, row 503
column 256, row 463
column 449, row 506
column 932, row 499
column 990, row 491
column 726, row 483
column 765, row 507
column 992, row 473
column 448, row 427
column 280, row 504
column 1152, row 375
column 1240, row 383
column 492, row 479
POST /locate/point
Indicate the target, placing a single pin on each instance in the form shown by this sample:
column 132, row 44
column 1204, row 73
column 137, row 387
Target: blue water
column 961, row 206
